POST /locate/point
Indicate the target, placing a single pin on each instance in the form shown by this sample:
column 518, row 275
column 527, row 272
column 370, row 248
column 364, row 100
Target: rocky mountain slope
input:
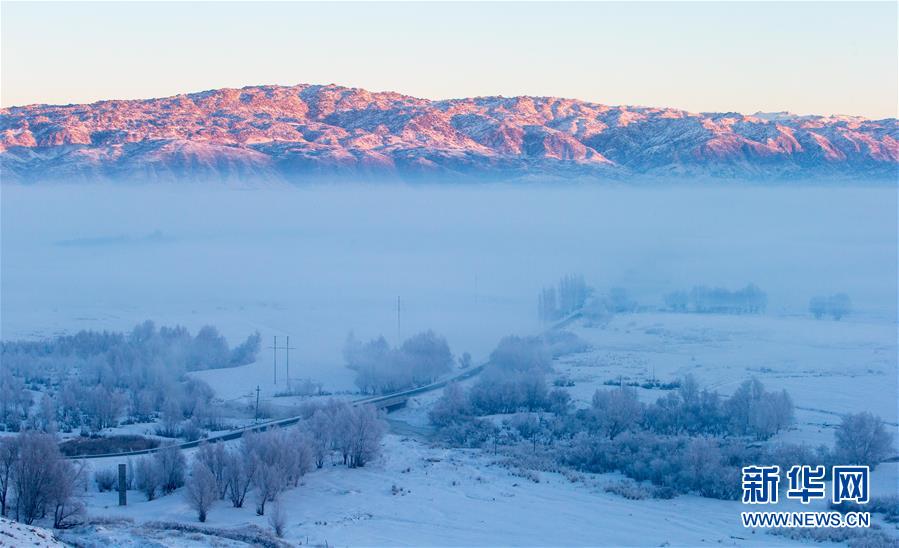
column 311, row 132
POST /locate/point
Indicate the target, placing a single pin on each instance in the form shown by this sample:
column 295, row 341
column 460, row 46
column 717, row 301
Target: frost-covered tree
column 379, row 368
column 277, row 519
column 321, row 435
column 64, row 489
column 547, row 307
column 268, row 482
column 751, row 410
column 146, row 477
column 452, row 407
column 521, row 354
column 215, row 457
column 573, row 292
column 863, row 439
column 616, row 411
column 9, row 455
column 429, row 355
column 240, row 469
column 837, row 306
column 366, row 431
column 677, row 301
column 246, row 352
column 170, row 465
column 15, row 400
column 95, row 378
column 42, row 481
column 201, row 490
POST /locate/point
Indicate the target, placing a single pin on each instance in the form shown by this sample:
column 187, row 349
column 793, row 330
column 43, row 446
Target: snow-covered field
column 452, row 497
column 468, row 262
column 829, row 367
column 416, row 495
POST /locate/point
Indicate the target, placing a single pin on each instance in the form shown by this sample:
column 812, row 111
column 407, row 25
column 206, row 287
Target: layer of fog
column 467, row 262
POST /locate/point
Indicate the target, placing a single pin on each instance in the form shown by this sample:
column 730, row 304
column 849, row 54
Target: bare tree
column 63, row 495
column 9, row 453
column 268, row 483
column 34, row 474
column 277, row 519
column 616, row 411
column 321, row 434
column 201, row 490
column 240, row 469
column 147, row 477
column 170, row 465
column 214, row 457
column 366, row 431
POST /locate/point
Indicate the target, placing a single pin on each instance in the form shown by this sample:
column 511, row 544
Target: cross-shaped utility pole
column 287, row 348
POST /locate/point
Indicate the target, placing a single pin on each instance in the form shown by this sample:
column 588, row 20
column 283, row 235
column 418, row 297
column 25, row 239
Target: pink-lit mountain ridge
column 310, row 132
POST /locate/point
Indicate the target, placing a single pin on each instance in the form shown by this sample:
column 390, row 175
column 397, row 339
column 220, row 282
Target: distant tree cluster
column 835, row 306
column 751, row 411
column 513, row 381
column 379, row 368
column 556, row 302
column 690, row 440
column 702, row 299
column 90, row 380
column 515, row 377
column 601, row 307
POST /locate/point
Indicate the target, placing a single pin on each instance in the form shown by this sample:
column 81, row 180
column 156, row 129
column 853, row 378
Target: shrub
column 628, row 489
column 106, row 479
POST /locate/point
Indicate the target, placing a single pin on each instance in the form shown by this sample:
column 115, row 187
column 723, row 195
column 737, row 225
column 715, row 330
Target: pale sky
column 809, row 57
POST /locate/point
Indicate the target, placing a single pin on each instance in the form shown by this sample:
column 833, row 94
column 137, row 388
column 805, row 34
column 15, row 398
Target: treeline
column 92, row 380
column 835, row 306
column 691, row 440
column 702, row 299
column 569, row 295
column 514, row 379
column 572, row 294
column 751, row 412
column 380, row 368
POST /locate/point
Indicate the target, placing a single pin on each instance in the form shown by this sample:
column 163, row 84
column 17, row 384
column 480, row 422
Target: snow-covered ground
column 417, row 495
column 16, row 534
column 459, row 497
column 828, row 367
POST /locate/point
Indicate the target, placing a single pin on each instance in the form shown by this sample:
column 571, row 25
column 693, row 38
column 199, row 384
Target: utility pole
column 399, row 338
column 287, row 349
column 274, row 348
column 256, row 418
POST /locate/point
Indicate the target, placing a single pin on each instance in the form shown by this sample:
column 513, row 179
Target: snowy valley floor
column 416, row 495
column 419, row 494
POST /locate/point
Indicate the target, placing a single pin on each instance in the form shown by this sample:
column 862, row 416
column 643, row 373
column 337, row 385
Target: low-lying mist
column 468, row 262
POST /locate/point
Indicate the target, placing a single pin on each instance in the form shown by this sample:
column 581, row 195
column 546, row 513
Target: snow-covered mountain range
column 312, row 132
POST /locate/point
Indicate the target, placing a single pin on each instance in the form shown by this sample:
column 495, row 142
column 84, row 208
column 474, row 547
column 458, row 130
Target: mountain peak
column 307, row 131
